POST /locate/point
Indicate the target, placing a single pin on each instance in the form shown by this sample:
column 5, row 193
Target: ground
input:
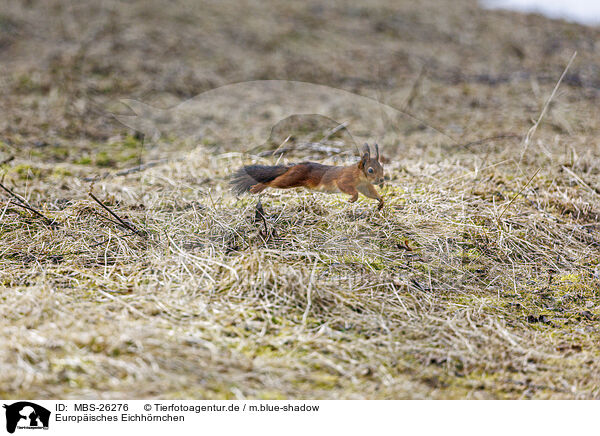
column 479, row 278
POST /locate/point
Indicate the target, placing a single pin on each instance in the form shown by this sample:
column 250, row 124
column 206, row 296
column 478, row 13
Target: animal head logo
column 246, row 113
column 250, row 110
column 26, row 415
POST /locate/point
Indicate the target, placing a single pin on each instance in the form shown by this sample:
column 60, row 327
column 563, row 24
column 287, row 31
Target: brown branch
column 260, row 214
column 24, row 204
column 104, row 217
column 135, row 169
column 491, row 138
column 518, row 193
column 121, row 221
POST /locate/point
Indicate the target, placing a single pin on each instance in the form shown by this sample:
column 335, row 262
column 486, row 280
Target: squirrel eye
column 370, row 170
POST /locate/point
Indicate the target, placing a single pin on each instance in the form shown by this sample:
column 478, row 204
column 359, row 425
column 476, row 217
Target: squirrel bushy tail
column 246, row 177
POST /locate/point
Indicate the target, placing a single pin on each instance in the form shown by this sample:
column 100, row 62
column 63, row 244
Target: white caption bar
column 23, row 417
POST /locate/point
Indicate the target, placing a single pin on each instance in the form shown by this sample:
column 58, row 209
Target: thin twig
column 491, row 138
column 123, row 222
column 533, row 128
column 30, row 209
column 12, row 194
column 24, row 204
column 260, row 213
column 135, row 169
column 581, row 181
column 272, row 152
column 517, row 194
column 334, row 131
column 104, row 217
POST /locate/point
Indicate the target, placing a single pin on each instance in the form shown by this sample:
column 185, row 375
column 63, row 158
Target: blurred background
column 472, row 71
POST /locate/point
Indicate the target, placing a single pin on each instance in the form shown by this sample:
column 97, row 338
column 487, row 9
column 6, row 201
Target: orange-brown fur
column 351, row 180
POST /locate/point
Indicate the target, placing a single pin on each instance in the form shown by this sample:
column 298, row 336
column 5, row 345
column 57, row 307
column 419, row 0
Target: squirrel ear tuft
column 363, row 161
column 367, row 150
column 376, row 151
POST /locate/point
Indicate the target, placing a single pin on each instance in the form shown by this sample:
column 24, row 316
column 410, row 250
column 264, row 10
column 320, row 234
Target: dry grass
column 477, row 280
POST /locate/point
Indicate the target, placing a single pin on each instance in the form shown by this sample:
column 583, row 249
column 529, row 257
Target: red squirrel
column 349, row 180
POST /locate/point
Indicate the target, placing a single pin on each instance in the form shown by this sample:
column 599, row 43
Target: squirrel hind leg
column 259, row 187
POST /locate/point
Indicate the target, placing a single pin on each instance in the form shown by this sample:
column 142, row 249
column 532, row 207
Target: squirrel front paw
column 380, row 205
column 353, row 198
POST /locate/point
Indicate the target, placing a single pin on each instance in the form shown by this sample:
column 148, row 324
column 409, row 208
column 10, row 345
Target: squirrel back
column 349, row 180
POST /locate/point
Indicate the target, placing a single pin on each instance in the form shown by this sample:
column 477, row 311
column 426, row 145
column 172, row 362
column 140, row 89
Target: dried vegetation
column 478, row 280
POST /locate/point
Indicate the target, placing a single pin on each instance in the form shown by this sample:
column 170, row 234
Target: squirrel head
column 370, row 166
